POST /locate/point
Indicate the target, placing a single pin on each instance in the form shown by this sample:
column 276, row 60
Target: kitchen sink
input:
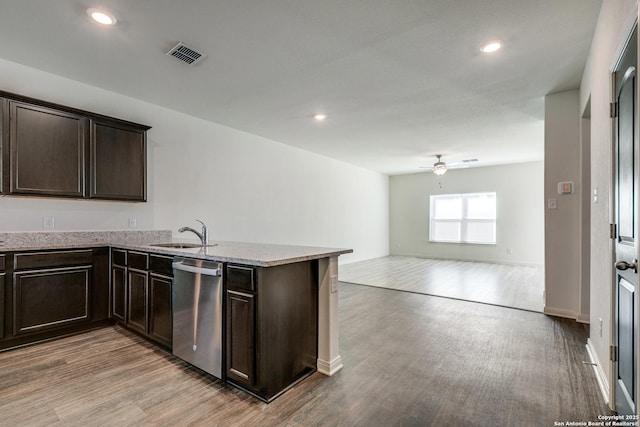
column 181, row 245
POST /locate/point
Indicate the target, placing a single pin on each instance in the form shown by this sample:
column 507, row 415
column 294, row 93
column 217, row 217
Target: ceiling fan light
column 439, row 168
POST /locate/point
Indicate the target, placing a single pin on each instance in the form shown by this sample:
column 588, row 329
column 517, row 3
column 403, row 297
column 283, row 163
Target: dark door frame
column 619, row 251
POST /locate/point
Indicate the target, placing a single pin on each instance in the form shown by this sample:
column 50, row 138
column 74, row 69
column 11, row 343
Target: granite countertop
column 257, row 254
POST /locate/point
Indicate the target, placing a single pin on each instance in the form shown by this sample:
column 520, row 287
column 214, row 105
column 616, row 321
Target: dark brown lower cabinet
column 52, row 298
column 272, row 326
column 141, row 293
column 240, row 337
column 50, row 290
column 138, row 291
column 2, row 291
column 160, row 314
column 118, row 292
column 46, row 294
column 100, row 285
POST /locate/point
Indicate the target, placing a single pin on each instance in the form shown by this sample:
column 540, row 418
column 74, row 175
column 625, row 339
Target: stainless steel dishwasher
column 197, row 313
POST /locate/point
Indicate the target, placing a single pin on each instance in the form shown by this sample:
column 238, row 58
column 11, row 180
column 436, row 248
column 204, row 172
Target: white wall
column 520, row 223
column 614, row 26
column 245, row 187
column 562, row 225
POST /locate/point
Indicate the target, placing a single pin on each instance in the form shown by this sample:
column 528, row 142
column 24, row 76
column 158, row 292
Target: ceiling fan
column 440, row 168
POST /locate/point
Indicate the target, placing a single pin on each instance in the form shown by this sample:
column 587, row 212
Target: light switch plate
column 334, row 283
column 565, row 187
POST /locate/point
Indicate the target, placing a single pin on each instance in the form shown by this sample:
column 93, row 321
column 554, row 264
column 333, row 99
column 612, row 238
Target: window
column 463, row 218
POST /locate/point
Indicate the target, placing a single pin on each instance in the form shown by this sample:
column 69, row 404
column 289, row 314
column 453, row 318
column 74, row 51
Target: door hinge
column 613, row 353
column 613, row 109
column 613, row 231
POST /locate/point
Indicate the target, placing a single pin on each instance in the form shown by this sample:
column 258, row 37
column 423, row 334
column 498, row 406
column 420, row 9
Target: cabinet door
column 137, row 288
column 2, row 291
column 47, row 149
column 160, row 317
column 4, row 145
column 118, row 162
column 118, row 292
column 100, row 288
column 241, row 338
column 49, row 299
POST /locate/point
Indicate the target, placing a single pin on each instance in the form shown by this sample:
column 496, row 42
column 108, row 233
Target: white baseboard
column 329, row 368
column 486, row 261
column 560, row 312
column 599, row 372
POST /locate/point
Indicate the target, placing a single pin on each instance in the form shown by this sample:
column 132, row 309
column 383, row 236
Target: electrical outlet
column 334, row 283
column 133, row 223
column 48, row 222
column 509, row 251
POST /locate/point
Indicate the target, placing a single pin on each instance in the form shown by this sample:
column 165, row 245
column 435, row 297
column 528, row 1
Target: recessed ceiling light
column 320, row 116
column 491, row 47
column 101, row 16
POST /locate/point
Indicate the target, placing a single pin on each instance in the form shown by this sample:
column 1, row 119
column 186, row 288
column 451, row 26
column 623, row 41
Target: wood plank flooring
column 409, row 360
column 516, row 286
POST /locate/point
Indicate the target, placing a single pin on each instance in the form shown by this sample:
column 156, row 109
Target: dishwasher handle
column 197, row 270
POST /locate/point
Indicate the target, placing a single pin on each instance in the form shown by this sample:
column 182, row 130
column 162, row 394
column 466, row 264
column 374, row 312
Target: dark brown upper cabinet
column 118, row 162
column 47, row 151
column 57, row 151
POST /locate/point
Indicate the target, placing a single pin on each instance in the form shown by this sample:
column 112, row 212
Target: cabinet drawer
column 161, row 265
column 242, row 278
column 138, row 260
column 119, row 257
column 32, row 260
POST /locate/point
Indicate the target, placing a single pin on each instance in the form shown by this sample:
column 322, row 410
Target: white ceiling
column 400, row 80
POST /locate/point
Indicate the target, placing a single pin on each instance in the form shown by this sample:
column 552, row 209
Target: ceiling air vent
column 469, row 160
column 186, row 54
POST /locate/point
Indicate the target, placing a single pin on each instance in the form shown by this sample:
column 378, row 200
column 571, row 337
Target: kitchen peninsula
column 56, row 283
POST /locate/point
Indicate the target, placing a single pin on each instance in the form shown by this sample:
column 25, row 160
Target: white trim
column 560, row 312
column 328, row 361
column 597, row 369
column 484, row 261
column 583, row 318
column 329, row 368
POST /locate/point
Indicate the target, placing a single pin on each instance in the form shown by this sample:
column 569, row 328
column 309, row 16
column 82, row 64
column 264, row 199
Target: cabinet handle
column 197, row 270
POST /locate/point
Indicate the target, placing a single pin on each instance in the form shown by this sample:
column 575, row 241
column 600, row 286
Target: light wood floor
column 409, row 360
column 517, row 286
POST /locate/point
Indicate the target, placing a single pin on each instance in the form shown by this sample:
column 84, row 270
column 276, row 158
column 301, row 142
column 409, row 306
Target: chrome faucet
column 202, row 235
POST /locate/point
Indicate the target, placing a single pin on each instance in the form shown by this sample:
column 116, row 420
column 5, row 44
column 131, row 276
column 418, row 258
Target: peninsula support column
column 329, row 360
